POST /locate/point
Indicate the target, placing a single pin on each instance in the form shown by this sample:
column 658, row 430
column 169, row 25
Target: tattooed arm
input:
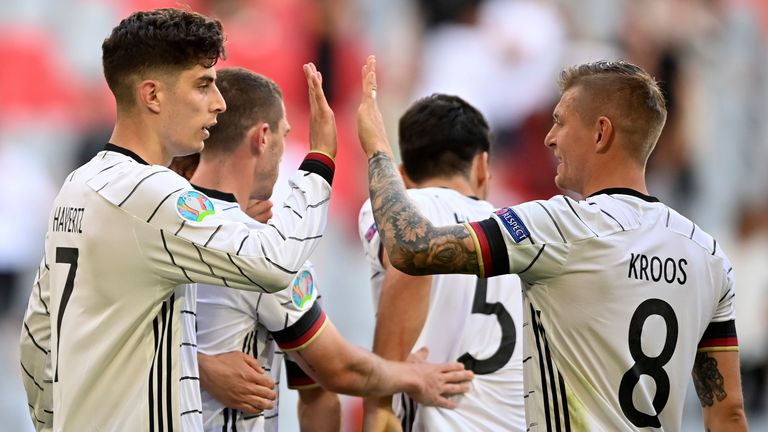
column 413, row 244
column 717, row 380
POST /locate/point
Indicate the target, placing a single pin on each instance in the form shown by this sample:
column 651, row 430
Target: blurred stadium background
column 501, row 55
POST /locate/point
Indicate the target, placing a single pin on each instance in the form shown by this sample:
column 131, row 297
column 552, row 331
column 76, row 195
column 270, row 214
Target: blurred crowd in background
column 503, row 56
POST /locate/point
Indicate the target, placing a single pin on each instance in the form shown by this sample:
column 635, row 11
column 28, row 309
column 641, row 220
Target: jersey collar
column 125, row 151
column 219, row 195
column 625, row 191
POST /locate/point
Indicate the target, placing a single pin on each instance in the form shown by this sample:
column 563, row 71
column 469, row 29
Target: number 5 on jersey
column 508, row 334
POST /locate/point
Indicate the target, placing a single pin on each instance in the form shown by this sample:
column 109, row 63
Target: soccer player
column 101, row 346
column 444, row 145
column 102, row 343
column 240, row 164
column 624, row 297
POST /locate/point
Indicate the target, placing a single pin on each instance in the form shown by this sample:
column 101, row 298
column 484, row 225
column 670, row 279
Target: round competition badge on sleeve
column 303, row 290
column 194, row 206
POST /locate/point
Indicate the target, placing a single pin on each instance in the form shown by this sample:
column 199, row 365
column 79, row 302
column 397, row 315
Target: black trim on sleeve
column 320, row 165
column 497, row 247
column 300, row 327
column 719, row 330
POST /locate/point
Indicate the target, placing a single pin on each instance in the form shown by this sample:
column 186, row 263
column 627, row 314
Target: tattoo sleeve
column 414, row 245
column 708, row 380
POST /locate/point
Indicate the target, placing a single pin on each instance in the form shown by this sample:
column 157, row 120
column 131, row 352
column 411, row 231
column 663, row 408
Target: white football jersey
column 102, row 343
column 257, row 324
column 472, row 320
column 620, row 293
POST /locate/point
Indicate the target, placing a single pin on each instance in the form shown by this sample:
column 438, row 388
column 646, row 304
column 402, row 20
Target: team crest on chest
column 303, row 290
column 194, row 206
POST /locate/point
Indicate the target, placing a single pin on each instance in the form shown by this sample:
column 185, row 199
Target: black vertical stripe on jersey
column 139, row 184
column 552, row 383
column 155, row 331
column 160, row 417
column 714, row 246
column 408, row 419
column 564, row 398
column 542, row 370
column 225, row 415
column 548, row 378
column 245, row 342
column 184, row 222
column 668, row 217
column 173, row 260
column 577, row 215
column 498, row 249
column 554, row 222
column 169, row 365
column 161, row 203
column 536, row 258
column 693, row 230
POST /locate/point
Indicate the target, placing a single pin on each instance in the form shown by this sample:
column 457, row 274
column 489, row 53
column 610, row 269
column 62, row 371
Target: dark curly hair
column 162, row 39
column 440, row 135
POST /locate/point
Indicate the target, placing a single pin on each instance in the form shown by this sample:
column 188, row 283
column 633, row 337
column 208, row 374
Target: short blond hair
column 627, row 95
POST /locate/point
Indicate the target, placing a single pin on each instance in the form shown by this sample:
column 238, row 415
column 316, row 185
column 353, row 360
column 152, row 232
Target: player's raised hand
column 260, row 210
column 322, row 123
column 438, row 381
column 370, row 125
column 237, row 380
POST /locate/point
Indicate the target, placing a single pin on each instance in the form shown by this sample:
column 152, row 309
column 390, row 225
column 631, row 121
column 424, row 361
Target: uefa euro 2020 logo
column 303, row 290
column 194, row 206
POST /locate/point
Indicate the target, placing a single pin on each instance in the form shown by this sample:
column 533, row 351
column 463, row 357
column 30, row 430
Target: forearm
column 413, row 244
column 736, row 421
column 360, row 373
column 319, row 410
column 717, row 380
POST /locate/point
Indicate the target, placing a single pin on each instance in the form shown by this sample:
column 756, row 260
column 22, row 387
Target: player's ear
column 604, row 134
column 148, row 94
column 258, row 137
column 481, row 173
